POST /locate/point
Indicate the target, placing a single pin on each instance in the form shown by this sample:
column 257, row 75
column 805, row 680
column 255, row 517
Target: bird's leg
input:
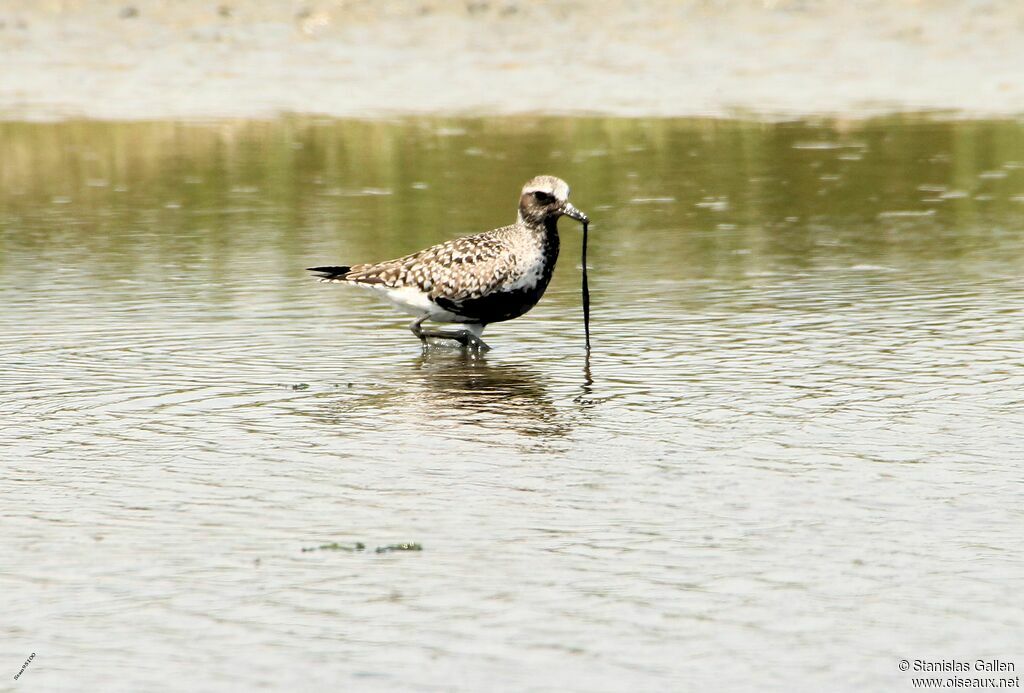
column 464, row 337
column 417, row 329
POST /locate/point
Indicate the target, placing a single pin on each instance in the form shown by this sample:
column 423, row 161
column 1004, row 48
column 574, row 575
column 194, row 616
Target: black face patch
column 543, row 197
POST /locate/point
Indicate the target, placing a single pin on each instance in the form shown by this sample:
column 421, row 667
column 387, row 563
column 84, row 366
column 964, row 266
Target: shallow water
column 795, row 458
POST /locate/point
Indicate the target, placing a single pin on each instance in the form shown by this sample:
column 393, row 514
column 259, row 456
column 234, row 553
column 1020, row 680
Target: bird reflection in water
column 457, row 394
column 476, row 392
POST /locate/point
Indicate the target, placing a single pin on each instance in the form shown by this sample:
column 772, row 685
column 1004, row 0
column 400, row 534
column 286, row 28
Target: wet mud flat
column 141, row 59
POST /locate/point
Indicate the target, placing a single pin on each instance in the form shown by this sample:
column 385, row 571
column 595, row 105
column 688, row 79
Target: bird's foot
column 470, row 341
column 466, row 338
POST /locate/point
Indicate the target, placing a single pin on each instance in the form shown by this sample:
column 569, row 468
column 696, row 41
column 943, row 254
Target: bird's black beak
column 573, row 213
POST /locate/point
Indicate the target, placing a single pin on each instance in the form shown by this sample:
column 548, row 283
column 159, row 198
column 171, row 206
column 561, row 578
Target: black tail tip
column 330, row 272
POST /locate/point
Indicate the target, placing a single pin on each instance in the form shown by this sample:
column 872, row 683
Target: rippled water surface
column 795, row 457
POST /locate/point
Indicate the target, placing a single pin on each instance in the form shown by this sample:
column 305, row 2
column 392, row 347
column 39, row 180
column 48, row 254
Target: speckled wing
column 455, row 271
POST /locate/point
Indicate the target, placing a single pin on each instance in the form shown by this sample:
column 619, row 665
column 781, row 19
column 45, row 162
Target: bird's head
column 544, row 199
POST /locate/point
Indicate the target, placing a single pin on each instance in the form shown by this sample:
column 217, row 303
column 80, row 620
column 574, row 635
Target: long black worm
column 586, row 290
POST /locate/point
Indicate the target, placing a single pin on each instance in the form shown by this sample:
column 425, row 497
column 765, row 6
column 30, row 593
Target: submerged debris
column 335, row 546
column 398, row 547
column 353, row 547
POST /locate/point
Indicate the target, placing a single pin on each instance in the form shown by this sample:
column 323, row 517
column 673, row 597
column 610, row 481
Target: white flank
column 411, row 300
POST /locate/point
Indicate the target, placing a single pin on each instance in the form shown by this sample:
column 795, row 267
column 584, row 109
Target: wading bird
column 476, row 280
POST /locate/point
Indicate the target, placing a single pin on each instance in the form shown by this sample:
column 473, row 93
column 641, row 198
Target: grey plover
column 476, row 280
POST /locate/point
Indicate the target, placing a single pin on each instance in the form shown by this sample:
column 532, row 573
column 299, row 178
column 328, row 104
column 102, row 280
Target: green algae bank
column 793, row 462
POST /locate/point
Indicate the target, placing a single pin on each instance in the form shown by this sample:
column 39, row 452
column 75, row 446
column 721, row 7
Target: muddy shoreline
column 146, row 59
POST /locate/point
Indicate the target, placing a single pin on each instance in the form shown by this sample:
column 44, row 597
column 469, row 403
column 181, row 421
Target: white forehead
column 548, row 184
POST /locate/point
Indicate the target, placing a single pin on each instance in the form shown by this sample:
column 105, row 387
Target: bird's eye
column 543, row 197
